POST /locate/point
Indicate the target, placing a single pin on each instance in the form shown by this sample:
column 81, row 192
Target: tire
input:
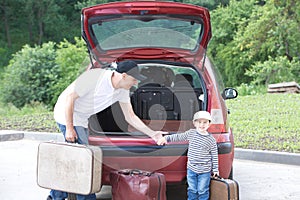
column 231, row 173
column 177, row 191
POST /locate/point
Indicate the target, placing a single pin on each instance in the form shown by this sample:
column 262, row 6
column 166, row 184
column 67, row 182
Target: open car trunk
column 166, row 101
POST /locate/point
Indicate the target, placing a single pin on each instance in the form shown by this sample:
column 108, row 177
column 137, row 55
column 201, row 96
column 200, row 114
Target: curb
column 44, row 136
column 267, row 156
column 243, row 154
column 11, row 135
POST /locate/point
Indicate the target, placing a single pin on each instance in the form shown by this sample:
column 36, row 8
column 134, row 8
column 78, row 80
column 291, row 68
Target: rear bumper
column 168, row 150
column 145, row 151
column 170, row 159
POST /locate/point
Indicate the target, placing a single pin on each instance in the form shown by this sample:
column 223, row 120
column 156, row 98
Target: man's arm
column 69, row 110
column 137, row 123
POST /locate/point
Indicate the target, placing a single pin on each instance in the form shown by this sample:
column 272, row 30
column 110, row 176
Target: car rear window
column 153, row 31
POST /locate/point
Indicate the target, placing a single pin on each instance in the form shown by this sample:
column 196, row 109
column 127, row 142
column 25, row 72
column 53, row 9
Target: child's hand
column 158, row 135
column 162, row 141
column 215, row 174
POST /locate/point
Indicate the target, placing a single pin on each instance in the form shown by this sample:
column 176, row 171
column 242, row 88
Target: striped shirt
column 202, row 150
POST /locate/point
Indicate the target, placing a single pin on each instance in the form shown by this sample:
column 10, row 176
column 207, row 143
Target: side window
column 187, row 75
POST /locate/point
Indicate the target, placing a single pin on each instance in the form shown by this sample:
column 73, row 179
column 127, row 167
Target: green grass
column 265, row 122
column 35, row 117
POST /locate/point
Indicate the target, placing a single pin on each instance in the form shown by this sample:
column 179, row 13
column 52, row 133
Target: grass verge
column 35, row 117
column 266, row 122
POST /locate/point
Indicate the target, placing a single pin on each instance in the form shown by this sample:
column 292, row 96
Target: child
column 202, row 155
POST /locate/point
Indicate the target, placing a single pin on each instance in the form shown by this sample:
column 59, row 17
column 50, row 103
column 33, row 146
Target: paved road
column 257, row 180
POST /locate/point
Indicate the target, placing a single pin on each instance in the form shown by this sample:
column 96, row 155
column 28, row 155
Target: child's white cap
column 202, row 115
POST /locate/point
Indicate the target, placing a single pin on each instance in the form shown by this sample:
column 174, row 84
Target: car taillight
column 217, row 124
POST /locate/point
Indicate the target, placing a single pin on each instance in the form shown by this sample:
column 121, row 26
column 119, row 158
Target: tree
column 253, row 33
column 6, row 13
column 210, row 4
column 6, row 28
column 29, row 76
column 41, row 73
column 35, row 22
column 47, row 20
column 274, row 70
column 87, row 3
column 271, row 42
column 72, row 59
column 226, row 23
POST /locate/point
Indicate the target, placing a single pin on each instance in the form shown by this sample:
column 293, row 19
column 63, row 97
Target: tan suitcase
column 223, row 189
column 72, row 168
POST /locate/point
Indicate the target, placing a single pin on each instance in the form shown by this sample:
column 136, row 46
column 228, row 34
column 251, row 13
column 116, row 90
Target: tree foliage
column 35, row 22
column 30, row 75
column 72, row 59
column 40, row 73
column 254, row 42
column 227, row 22
column 274, row 70
column 249, row 36
column 79, row 5
column 210, row 4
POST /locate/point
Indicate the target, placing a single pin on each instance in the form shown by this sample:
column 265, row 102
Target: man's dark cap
column 131, row 68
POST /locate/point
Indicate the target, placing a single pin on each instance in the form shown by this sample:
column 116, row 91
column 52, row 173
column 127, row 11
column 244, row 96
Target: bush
column 40, row 73
column 30, row 75
column 262, row 38
column 72, row 60
column 250, row 89
column 275, row 70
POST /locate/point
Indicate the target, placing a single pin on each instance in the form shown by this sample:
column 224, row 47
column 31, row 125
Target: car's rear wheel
column 231, row 174
column 177, row 191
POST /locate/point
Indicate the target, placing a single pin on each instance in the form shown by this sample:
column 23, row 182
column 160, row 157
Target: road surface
column 257, row 180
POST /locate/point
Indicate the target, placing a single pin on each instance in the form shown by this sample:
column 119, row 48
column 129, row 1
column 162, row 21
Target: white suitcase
column 72, row 168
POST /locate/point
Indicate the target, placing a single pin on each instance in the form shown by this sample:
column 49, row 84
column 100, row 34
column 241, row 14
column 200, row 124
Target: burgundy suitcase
column 137, row 185
column 223, row 189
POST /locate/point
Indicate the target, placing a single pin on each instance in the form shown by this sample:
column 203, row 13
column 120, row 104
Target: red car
column 168, row 40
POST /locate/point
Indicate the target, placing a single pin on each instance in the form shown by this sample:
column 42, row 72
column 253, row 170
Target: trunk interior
column 166, row 100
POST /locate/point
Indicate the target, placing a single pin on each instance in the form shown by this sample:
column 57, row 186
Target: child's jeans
column 198, row 185
column 82, row 134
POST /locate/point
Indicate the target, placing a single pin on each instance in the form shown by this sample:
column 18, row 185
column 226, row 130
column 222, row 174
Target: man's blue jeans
column 82, row 134
column 198, row 185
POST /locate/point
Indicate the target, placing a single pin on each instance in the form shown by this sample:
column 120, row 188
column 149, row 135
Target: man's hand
column 158, row 135
column 71, row 135
column 162, row 141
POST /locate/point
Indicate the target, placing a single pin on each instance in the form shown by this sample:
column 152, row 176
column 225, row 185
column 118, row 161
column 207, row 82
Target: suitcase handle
column 75, row 141
column 217, row 177
column 135, row 172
